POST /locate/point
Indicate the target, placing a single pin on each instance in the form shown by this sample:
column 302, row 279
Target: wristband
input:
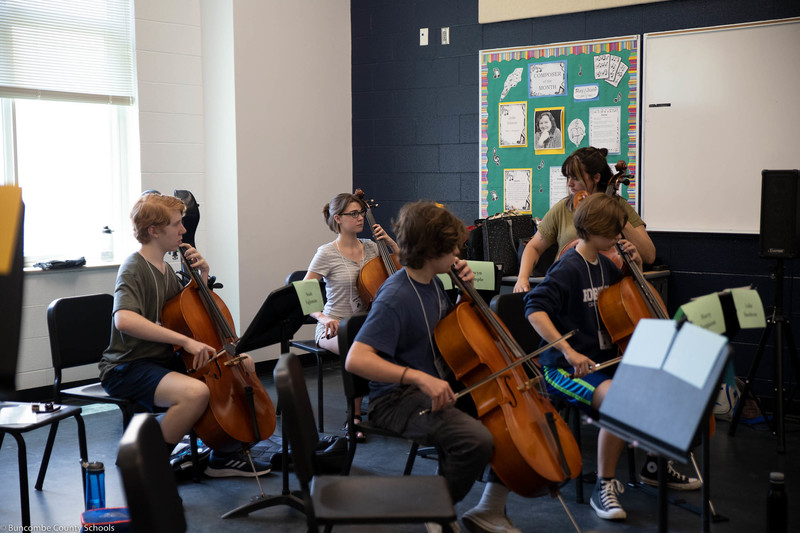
column 403, row 375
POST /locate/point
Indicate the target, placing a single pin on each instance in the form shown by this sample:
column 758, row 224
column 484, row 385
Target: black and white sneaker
column 605, row 501
column 675, row 480
column 235, row 465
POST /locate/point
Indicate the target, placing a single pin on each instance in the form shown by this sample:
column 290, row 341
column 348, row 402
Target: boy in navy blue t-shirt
column 395, row 350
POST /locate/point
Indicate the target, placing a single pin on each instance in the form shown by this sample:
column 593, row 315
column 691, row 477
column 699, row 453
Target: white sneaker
column 482, row 522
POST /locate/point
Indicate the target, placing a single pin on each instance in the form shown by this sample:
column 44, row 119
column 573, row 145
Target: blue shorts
column 137, row 380
column 578, row 391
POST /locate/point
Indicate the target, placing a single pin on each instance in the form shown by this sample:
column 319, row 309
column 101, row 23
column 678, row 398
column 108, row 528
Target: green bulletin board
column 539, row 104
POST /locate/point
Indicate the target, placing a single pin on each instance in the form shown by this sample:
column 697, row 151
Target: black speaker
column 780, row 214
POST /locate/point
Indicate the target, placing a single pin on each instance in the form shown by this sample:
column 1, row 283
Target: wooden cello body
column 378, row 269
column 240, row 412
column 535, row 452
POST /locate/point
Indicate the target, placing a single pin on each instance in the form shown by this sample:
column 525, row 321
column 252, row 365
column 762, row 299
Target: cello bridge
column 235, row 361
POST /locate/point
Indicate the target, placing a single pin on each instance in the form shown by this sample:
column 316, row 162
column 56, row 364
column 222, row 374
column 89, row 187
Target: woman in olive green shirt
column 587, row 170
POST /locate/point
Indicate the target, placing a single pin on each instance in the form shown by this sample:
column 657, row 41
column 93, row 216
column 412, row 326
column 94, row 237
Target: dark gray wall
column 415, row 124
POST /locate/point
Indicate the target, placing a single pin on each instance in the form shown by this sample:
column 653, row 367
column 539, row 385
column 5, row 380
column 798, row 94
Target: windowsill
column 88, row 266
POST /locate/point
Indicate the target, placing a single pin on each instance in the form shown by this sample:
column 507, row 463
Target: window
column 68, row 126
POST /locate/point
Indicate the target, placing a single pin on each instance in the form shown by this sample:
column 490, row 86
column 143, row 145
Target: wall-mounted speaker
column 780, row 214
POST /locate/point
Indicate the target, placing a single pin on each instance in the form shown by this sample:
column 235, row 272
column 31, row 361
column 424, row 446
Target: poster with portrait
column 539, row 104
column 548, row 137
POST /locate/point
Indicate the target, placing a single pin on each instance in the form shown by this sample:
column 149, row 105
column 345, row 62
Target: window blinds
column 76, row 50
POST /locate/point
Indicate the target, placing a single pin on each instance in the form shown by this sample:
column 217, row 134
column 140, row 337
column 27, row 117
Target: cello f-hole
column 513, row 402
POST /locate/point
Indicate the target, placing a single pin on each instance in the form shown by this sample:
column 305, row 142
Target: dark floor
column 740, row 470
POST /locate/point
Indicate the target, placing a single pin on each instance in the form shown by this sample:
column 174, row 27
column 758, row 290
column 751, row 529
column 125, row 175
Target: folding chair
column 357, row 387
column 149, row 483
column 331, row 500
column 80, row 329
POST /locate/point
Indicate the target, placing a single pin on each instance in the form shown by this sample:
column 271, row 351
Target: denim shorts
column 137, row 380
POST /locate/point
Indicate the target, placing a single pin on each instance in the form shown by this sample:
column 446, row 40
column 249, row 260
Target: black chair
column 18, row 418
column 331, row 500
column 310, row 346
column 510, row 308
column 149, row 483
column 80, row 329
column 357, row 387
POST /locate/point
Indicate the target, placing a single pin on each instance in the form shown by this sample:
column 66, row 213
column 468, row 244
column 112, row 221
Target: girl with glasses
column 338, row 263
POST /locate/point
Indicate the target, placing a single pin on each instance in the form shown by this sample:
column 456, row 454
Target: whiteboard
column 720, row 104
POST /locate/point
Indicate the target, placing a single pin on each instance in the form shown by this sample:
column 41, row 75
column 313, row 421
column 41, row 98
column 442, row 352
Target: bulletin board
column 720, row 104
column 539, row 104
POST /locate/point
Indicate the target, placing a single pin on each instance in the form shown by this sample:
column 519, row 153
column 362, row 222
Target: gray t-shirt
column 143, row 289
column 341, row 275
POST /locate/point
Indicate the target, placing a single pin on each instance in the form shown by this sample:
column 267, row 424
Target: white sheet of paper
column 513, row 124
column 649, row 333
column 517, row 189
column 605, row 128
column 693, row 354
column 558, row 185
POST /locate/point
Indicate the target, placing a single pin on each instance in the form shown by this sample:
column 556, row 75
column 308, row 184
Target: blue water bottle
column 95, row 476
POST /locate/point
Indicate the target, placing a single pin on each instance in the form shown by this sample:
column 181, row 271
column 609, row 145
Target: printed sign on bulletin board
column 540, row 104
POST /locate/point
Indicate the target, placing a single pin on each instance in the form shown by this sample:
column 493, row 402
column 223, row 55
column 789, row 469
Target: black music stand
column 678, row 367
column 783, row 331
column 278, row 319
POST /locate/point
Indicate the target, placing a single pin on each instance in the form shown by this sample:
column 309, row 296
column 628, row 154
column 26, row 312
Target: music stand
column 678, row 366
column 783, row 331
column 279, row 317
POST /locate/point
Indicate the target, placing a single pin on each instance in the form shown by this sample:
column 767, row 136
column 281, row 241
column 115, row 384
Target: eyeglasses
column 356, row 214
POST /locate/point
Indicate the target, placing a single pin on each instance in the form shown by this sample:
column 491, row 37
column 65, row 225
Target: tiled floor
column 740, row 471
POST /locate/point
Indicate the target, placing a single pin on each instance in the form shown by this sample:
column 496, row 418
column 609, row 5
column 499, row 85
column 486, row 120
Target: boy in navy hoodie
column 567, row 300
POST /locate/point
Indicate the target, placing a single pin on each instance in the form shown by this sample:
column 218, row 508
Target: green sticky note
column 484, row 274
column 309, row 294
column 749, row 308
column 706, row 312
column 446, row 281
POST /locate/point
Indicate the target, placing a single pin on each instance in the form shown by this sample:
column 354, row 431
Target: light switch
column 446, row 35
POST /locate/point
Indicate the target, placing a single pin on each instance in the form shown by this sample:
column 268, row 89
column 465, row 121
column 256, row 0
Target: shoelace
column 609, row 492
column 671, row 472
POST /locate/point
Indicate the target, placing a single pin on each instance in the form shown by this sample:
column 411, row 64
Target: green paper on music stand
column 706, row 312
column 749, row 309
column 484, row 275
column 310, row 295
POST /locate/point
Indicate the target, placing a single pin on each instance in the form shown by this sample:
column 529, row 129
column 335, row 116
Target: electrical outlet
column 446, row 35
column 423, row 36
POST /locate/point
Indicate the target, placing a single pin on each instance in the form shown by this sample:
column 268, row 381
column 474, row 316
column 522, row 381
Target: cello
column 535, row 452
column 378, row 269
column 627, row 301
column 240, row 412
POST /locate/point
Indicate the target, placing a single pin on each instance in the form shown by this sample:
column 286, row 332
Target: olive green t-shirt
column 558, row 226
column 143, row 289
